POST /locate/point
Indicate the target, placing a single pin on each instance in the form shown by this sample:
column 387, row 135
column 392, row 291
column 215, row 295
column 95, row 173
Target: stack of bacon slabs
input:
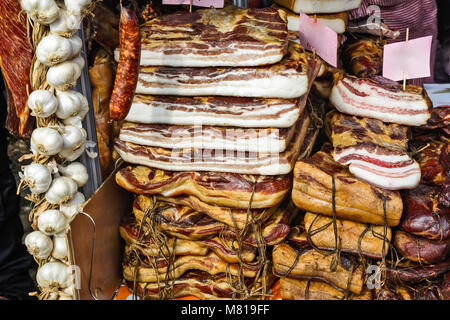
column 218, row 120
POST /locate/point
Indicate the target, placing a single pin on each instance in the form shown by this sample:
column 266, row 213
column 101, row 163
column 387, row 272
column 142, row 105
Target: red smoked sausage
column 128, row 67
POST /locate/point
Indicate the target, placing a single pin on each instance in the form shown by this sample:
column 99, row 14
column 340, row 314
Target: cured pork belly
column 221, row 189
column 199, row 284
column 382, row 99
column 16, row 54
column 350, row 234
column 336, row 22
column 217, row 160
column 293, row 289
column 185, row 223
column 363, row 57
column 309, row 264
column 356, row 200
column 286, row 79
column 210, row 263
column 346, row 130
column 265, row 140
column 319, row 6
column 216, row 111
column 231, row 36
column 383, row 167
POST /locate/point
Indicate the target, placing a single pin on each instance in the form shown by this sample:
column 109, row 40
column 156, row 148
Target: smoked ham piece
column 424, row 216
column 356, row 200
column 355, row 237
column 222, row 189
column 307, row 264
column 417, row 274
column 217, row 160
column 216, row 111
column 198, row 284
column 382, row 99
column 382, row 167
column 232, row 36
column 421, row 250
column 287, row 79
column 16, row 55
column 265, row 140
column 319, row 6
column 404, row 292
column 293, row 289
column 210, row 263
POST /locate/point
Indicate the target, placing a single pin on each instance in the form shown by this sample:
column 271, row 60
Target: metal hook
column 92, row 262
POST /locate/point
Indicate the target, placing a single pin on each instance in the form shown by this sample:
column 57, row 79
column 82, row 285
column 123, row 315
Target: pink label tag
column 198, row 3
column 408, row 60
column 314, row 35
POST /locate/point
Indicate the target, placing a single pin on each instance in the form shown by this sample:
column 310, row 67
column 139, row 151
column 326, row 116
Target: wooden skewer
column 404, row 73
column 315, row 18
column 190, row 6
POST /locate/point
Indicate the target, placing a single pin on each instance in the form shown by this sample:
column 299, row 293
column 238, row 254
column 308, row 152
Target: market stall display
column 249, row 167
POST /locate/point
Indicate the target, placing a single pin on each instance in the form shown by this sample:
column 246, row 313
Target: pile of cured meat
column 217, row 122
column 253, row 162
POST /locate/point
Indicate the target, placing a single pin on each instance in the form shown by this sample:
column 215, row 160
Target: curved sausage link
column 128, row 67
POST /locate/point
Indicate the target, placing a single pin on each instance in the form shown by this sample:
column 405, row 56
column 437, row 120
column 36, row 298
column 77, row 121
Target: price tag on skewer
column 318, row 38
column 199, row 3
column 409, row 59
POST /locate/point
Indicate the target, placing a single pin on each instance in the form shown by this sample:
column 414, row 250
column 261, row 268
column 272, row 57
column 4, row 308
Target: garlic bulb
column 51, row 221
column 76, row 171
column 41, row 11
column 39, row 245
column 73, row 155
column 46, row 141
column 80, row 62
column 69, row 104
column 77, row 6
column 53, row 49
column 59, row 248
column 37, row 177
column 73, row 207
column 66, row 24
column 63, row 76
column 76, row 44
column 61, row 190
column 73, row 138
column 42, row 103
column 54, row 275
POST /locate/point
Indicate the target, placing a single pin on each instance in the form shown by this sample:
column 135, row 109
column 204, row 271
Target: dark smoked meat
column 15, row 62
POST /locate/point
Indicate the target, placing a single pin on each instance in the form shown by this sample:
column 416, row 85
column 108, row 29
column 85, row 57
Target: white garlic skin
column 76, row 171
column 38, row 177
column 73, row 138
column 76, row 44
column 46, row 141
column 73, row 207
column 61, row 190
column 53, row 49
column 42, row 103
column 72, row 155
column 51, row 222
column 54, row 275
column 39, row 245
column 60, row 251
column 77, row 6
column 66, row 24
column 69, row 104
column 42, row 11
column 63, row 76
